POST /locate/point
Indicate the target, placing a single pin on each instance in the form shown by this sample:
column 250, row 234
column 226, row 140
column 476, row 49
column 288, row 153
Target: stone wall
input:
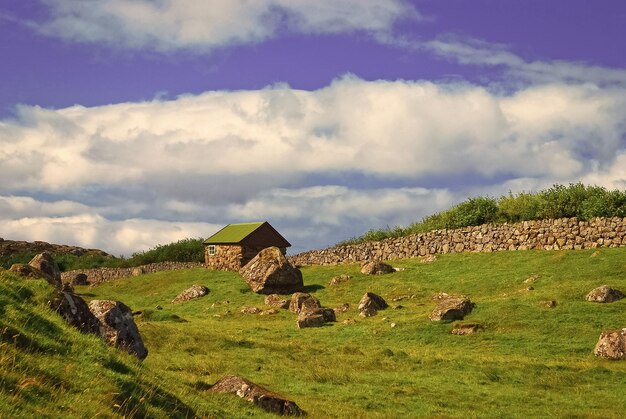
column 565, row 233
column 98, row 275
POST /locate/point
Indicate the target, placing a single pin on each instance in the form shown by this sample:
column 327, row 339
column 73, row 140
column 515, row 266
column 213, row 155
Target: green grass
column 529, row 361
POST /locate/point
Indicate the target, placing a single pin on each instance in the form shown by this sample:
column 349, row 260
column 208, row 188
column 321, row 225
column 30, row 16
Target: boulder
column 612, row 344
column 604, row 294
column 370, row 304
column 46, row 264
column 75, row 311
column 315, row 318
column 269, row 272
column 26, row 271
column 339, row 279
column 265, row 399
column 117, row 326
column 452, row 308
column 375, row 267
column 276, row 301
column 301, row 301
column 79, row 279
column 195, row 291
column 137, row 271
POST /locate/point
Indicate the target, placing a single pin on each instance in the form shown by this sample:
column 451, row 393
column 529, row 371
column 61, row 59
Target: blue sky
column 129, row 123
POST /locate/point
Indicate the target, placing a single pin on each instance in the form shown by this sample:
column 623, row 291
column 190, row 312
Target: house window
column 211, row 249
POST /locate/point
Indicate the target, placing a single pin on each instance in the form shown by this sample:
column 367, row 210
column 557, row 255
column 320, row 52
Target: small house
column 235, row 245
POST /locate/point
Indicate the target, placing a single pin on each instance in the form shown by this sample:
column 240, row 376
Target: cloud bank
column 320, row 165
column 168, row 25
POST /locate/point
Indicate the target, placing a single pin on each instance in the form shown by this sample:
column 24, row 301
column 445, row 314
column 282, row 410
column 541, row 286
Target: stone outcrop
column 75, row 311
column 270, row 272
column 452, row 308
column 376, row 268
column 563, row 233
column 276, row 301
column 612, row 344
column 265, row 399
column 302, row 301
column 13, row 247
column 604, row 294
column 42, row 266
column 195, row 291
column 46, row 264
column 117, row 326
column 99, row 275
column 370, row 304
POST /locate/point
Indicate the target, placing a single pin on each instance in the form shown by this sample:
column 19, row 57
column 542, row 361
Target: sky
column 130, row 123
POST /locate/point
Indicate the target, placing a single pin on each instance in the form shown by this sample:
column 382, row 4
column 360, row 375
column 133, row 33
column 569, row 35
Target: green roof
column 233, row 233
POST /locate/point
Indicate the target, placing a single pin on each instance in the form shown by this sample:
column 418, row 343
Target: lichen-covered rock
column 370, row 304
column 302, row 301
column 604, row 294
column 315, row 318
column 75, row 311
column 195, row 291
column 453, row 308
column 276, row 301
column 44, row 263
column 612, row 344
column 339, row 279
column 269, row 272
column 118, row 327
column 265, row 399
column 375, row 267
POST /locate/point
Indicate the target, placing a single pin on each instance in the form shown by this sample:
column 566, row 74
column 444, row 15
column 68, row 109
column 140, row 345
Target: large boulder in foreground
column 375, row 267
column 75, row 311
column 265, row 399
column 604, row 294
column 370, row 304
column 44, row 263
column 452, row 308
column 269, row 272
column 195, row 291
column 117, row 326
column 612, row 344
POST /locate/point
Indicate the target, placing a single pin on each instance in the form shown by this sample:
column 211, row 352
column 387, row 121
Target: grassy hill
column 529, row 361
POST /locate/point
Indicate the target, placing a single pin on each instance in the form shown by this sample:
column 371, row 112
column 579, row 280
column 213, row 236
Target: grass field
column 529, row 361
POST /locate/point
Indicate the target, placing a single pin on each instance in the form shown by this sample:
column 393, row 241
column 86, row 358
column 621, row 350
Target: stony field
column 526, row 360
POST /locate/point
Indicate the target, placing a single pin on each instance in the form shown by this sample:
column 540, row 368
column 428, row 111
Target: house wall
column 232, row 257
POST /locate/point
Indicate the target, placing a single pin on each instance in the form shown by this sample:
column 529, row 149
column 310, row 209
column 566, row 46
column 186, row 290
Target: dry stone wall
column 98, row 275
column 563, row 233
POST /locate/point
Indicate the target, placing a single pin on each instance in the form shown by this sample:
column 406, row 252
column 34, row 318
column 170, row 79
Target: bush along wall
column 550, row 234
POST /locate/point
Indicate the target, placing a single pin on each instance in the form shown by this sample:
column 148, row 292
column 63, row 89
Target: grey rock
column 118, row 327
column 269, row 272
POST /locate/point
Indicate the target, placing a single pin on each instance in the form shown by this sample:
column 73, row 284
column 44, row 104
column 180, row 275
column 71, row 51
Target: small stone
column 251, row 310
column 276, row 301
column 303, row 301
column 349, row 322
column 376, row 268
column 453, row 308
column 604, row 294
column 193, row 292
column 343, row 308
column 611, row 345
column 339, row 279
column 548, row 303
column 370, row 304
column 465, row 329
column 393, row 325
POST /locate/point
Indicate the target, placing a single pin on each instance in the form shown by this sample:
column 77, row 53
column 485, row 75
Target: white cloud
column 320, row 165
column 476, row 52
column 167, row 25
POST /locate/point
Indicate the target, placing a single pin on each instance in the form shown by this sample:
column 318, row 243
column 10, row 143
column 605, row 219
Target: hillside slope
column 529, row 361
